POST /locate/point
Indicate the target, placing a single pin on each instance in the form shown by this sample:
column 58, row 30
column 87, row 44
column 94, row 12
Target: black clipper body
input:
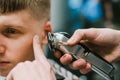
column 99, row 65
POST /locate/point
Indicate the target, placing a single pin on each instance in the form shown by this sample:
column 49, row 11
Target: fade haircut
column 37, row 8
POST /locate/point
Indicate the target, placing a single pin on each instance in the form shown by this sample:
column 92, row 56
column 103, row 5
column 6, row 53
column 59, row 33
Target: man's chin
column 4, row 72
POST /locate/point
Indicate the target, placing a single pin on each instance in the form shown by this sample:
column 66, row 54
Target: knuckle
column 20, row 64
column 17, row 67
column 27, row 62
column 92, row 29
column 77, row 31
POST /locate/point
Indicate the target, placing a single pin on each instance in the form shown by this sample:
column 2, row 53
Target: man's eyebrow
column 14, row 26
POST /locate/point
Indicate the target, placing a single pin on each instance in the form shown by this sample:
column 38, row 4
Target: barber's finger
column 83, row 34
column 15, row 73
column 58, row 54
column 66, row 59
column 86, row 69
column 38, row 52
column 9, row 77
column 78, row 64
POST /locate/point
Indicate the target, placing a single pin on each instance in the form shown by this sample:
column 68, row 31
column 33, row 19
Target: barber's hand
column 105, row 42
column 39, row 69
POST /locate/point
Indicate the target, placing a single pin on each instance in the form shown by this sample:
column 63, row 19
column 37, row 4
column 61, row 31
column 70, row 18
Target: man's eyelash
column 11, row 30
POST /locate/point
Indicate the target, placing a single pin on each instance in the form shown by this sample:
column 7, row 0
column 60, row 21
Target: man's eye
column 10, row 31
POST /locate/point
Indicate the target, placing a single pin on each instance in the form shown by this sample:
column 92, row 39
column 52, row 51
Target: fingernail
column 37, row 38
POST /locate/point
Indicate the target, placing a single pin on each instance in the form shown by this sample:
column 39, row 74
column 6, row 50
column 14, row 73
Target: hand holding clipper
column 102, row 67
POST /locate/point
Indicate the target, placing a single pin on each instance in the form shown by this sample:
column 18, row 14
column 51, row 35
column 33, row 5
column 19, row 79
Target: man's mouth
column 4, row 63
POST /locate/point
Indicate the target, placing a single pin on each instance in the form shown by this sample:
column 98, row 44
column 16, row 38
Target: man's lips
column 4, row 63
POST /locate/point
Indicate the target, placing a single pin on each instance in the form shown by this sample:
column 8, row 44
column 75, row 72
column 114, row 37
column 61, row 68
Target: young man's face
column 16, row 34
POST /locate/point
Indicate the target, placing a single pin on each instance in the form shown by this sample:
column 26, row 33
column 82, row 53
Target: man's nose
column 2, row 49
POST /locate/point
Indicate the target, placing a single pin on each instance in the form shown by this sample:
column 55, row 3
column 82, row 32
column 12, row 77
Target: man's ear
column 47, row 27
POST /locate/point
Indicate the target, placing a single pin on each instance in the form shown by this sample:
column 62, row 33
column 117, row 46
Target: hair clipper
column 99, row 65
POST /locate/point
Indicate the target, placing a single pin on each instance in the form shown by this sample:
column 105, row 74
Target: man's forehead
column 10, row 19
column 17, row 21
column 21, row 15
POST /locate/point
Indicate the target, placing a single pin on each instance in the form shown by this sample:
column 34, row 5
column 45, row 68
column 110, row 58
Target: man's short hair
column 36, row 7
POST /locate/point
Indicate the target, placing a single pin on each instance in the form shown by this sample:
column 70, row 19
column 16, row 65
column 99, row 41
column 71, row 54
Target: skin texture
column 35, row 70
column 105, row 42
column 21, row 56
column 16, row 47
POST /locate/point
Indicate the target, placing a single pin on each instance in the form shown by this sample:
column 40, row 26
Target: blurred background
column 69, row 15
